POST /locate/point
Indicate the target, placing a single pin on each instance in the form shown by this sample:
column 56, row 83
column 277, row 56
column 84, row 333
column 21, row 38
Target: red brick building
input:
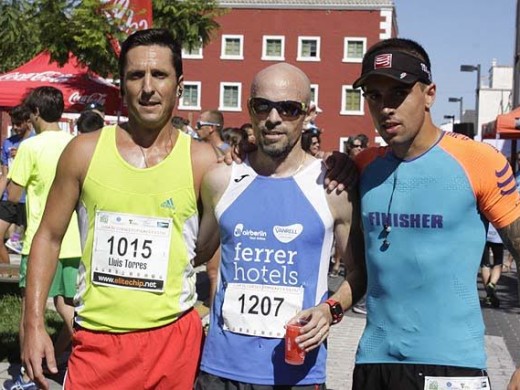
column 325, row 38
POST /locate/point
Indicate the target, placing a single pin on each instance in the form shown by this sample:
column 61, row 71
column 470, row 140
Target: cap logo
column 403, row 75
column 425, row 70
column 383, row 61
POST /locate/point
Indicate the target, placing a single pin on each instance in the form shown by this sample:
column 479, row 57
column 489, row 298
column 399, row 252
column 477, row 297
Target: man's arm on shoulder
column 61, row 202
column 214, row 184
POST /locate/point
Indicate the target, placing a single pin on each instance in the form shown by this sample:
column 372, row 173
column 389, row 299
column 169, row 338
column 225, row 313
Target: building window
column 232, row 47
column 314, row 94
column 308, row 49
column 343, row 144
column 230, row 97
column 273, row 48
column 352, row 101
column 354, row 49
column 194, row 53
column 190, row 99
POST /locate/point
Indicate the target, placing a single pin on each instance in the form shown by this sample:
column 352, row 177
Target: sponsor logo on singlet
column 286, row 234
column 241, row 231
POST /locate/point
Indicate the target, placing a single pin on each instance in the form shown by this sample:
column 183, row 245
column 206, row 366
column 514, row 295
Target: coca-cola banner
column 135, row 15
column 78, row 85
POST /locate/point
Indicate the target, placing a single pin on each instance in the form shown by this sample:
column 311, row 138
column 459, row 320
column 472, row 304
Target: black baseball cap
column 395, row 64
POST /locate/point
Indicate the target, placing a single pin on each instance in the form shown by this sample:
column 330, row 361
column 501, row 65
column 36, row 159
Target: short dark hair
column 307, row 137
column 246, row 126
column 20, row 114
column 150, row 37
column 89, row 121
column 47, row 101
column 363, row 138
column 401, row 44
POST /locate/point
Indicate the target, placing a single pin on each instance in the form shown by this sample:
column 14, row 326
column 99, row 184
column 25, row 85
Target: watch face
column 336, row 311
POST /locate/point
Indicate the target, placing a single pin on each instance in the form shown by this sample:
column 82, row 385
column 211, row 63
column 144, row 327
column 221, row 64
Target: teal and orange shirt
column 424, row 223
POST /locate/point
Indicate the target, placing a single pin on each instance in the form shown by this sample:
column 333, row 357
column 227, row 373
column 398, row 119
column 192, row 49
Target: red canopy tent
column 78, row 84
column 506, row 126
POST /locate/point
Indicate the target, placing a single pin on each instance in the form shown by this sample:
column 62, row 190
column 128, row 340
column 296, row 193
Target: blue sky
column 456, row 32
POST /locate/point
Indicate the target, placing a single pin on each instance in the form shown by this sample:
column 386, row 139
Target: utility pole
column 516, row 103
column 516, row 68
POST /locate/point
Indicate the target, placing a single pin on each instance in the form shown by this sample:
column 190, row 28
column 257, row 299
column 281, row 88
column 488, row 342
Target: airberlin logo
column 241, row 231
column 286, row 234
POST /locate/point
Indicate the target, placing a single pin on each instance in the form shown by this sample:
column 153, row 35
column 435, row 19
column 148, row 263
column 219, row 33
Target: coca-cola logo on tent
column 77, row 98
column 47, row 77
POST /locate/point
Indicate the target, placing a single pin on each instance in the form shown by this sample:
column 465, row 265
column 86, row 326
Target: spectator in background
column 12, row 213
column 311, row 141
column 97, row 108
column 88, row 121
column 184, row 125
column 33, row 170
column 234, row 136
column 310, row 123
column 491, row 267
column 209, row 128
column 356, row 145
column 248, row 129
column 364, row 140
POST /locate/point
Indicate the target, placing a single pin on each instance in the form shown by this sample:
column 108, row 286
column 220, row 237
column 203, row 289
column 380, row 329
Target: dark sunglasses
column 289, row 108
column 357, row 146
column 200, row 124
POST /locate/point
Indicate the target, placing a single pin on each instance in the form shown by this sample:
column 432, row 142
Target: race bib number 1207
column 260, row 310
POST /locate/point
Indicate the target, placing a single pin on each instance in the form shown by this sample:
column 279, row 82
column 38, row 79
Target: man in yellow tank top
column 136, row 186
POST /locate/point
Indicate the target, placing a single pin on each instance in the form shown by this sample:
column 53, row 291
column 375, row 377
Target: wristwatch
column 335, row 310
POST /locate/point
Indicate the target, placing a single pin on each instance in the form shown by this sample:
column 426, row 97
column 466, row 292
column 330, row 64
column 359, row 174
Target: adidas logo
column 168, row 204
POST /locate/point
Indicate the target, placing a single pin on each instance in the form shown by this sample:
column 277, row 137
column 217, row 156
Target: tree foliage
column 82, row 27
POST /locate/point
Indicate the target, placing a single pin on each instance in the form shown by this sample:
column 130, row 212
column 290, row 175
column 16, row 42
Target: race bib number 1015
column 131, row 251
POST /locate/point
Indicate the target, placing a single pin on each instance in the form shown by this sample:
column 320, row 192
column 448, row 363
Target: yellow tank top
column 138, row 230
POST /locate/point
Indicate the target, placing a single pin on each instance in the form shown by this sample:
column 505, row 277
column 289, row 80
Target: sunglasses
column 200, row 124
column 289, row 108
column 357, row 146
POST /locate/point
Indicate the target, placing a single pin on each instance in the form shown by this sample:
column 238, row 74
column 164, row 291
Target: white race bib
column 260, row 310
column 131, row 251
column 456, row 383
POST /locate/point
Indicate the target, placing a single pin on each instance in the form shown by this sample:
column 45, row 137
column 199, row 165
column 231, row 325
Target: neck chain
column 386, row 225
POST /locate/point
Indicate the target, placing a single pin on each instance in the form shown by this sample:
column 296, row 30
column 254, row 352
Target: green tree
column 82, row 27
column 18, row 35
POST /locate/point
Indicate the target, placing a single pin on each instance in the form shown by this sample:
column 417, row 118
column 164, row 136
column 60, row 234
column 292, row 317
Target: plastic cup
column 293, row 354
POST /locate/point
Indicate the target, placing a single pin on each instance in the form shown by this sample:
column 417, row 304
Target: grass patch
column 10, row 306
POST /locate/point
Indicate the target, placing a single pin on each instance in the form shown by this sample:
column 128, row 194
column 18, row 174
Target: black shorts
column 498, row 255
column 13, row 213
column 207, row 381
column 389, row 376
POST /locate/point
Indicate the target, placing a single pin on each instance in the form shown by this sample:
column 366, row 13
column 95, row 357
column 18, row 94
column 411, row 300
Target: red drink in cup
column 293, row 354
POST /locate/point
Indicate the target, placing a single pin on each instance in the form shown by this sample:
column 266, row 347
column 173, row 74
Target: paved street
column 502, row 340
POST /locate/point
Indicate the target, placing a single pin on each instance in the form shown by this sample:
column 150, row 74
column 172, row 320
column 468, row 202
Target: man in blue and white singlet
column 277, row 225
